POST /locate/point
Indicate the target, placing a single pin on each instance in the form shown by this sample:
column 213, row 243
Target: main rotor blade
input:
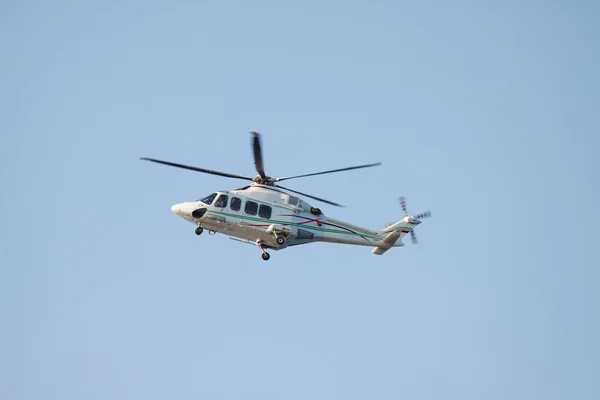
column 312, row 197
column 207, row 171
column 258, row 161
column 327, row 172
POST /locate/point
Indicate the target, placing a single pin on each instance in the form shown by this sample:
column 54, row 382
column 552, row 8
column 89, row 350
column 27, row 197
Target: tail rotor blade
column 403, row 205
column 425, row 214
column 413, row 237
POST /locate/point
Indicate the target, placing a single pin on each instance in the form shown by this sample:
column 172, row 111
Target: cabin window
column 236, row 204
column 264, row 211
column 221, row 201
column 251, row 208
column 209, row 199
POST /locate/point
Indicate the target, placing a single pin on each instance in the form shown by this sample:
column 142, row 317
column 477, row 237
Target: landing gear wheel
column 266, row 256
column 199, row 230
column 280, row 241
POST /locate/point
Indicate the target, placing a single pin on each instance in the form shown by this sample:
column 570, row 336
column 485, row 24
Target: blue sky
column 484, row 112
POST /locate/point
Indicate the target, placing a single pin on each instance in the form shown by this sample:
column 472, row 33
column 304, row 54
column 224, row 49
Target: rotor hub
column 267, row 180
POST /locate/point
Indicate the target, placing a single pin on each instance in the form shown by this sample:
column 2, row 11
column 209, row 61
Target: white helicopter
column 263, row 214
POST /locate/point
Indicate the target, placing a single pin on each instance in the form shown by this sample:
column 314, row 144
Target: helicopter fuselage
column 272, row 219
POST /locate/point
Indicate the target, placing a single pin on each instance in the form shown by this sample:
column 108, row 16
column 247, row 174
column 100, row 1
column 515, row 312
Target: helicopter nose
column 176, row 209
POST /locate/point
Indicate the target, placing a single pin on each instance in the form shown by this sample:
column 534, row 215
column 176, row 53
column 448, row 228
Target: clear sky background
column 486, row 113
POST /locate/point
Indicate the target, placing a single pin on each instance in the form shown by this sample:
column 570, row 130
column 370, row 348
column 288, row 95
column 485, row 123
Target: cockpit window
column 221, row 201
column 208, row 199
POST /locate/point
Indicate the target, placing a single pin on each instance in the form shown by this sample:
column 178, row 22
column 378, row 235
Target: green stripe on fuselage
column 303, row 226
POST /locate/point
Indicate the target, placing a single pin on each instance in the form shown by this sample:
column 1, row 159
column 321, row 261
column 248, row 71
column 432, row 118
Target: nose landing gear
column 199, row 230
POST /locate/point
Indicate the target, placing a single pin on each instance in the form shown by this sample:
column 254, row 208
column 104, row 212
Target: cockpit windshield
column 209, row 199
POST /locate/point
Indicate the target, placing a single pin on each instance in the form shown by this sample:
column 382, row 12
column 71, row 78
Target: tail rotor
column 413, row 218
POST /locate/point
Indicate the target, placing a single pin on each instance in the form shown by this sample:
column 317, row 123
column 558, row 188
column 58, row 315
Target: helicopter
column 264, row 214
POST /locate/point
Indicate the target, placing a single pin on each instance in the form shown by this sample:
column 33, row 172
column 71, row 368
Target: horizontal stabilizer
column 388, row 242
